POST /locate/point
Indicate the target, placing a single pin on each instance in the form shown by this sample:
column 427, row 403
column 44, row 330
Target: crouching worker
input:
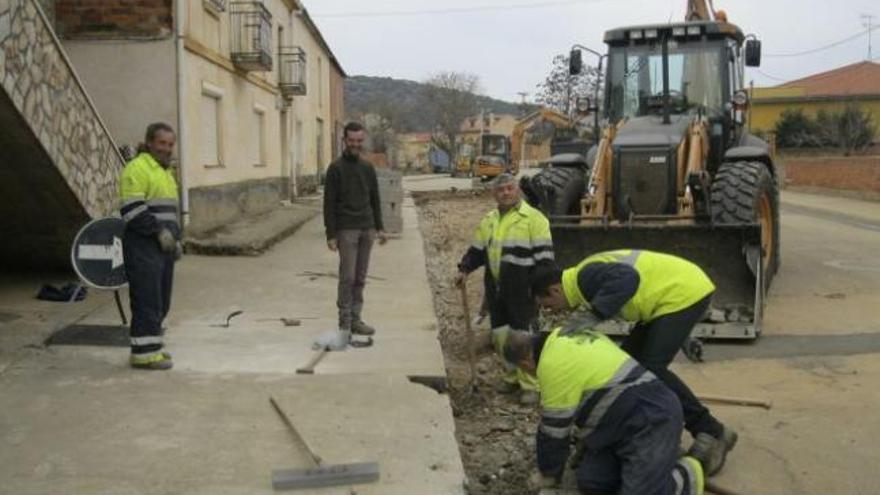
column 627, row 423
column 665, row 296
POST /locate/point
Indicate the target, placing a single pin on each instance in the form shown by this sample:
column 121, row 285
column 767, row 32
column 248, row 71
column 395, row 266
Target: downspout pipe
column 182, row 131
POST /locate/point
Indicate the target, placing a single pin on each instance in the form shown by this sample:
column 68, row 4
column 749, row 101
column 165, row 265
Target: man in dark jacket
column 353, row 219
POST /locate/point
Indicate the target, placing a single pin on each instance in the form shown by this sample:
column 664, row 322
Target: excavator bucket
column 729, row 254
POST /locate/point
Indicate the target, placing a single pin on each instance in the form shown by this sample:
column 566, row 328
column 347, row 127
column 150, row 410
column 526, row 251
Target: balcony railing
column 215, row 6
column 251, row 36
column 292, row 67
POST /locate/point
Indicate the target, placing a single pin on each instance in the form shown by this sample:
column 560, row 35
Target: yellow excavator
column 675, row 168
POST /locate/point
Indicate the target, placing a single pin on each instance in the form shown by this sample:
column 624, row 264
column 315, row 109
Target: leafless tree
column 561, row 90
column 452, row 97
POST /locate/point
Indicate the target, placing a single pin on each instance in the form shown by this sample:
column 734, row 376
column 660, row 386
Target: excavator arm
column 700, row 10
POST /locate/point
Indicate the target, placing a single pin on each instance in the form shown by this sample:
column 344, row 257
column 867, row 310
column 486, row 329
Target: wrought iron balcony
column 215, row 6
column 251, row 36
column 292, row 67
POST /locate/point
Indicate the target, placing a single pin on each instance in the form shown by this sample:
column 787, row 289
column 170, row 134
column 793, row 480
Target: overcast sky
column 509, row 44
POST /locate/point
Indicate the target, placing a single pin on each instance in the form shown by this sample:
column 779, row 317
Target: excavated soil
column 496, row 435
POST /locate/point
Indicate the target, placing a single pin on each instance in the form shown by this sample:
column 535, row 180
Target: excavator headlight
column 651, row 34
column 636, row 34
column 679, row 31
column 694, row 30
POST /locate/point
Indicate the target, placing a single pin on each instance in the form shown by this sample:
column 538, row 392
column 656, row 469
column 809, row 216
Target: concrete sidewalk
column 78, row 420
column 860, row 210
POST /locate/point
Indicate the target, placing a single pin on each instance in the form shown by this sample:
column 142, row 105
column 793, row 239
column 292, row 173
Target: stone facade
column 58, row 136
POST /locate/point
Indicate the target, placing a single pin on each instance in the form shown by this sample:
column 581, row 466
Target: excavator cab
column 494, row 157
column 675, row 169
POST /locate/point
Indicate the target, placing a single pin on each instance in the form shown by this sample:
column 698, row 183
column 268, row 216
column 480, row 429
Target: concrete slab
column 78, row 420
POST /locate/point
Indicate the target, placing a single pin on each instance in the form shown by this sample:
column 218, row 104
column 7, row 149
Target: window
column 258, row 137
column 211, row 128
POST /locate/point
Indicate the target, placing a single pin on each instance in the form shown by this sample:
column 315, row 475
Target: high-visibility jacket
column 638, row 285
column 510, row 245
column 581, row 376
column 148, row 193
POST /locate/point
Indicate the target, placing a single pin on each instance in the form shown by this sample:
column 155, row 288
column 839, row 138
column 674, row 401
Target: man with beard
column 151, row 243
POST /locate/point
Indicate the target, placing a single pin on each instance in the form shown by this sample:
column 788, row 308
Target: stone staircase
column 58, row 163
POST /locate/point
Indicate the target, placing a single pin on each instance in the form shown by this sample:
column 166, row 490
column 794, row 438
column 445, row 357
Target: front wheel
column 746, row 192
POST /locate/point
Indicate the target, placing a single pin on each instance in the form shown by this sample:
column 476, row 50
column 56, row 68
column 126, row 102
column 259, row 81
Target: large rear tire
column 558, row 190
column 745, row 192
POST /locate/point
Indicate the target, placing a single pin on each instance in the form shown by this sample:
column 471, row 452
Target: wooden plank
column 328, row 475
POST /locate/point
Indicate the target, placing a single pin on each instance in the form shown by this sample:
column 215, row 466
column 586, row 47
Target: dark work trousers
column 517, row 310
column 150, row 274
column 655, row 344
column 354, row 260
column 634, row 449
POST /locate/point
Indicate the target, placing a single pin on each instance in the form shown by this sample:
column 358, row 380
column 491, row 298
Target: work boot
column 711, row 451
column 361, row 328
column 529, row 397
column 159, row 361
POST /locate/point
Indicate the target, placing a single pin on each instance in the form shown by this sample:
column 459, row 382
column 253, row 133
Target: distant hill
column 405, row 101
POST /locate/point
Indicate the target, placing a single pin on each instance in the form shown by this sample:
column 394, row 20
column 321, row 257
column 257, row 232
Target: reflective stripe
column 146, row 340
column 133, row 213
column 162, row 202
column 555, row 432
column 134, row 198
column 516, row 243
column 517, row 260
column 607, row 401
column 546, row 255
column 679, row 481
column 619, row 376
column 167, row 217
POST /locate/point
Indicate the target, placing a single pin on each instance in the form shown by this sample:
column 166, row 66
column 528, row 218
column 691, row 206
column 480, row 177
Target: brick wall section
column 113, row 19
column 843, row 173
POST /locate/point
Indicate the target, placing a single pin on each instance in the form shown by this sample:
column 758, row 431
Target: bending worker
column 628, row 422
column 665, row 296
column 510, row 242
column 150, row 244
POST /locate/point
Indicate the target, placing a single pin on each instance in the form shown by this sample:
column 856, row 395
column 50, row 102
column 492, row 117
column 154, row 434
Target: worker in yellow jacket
column 625, row 424
column 150, row 244
column 665, row 296
column 510, row 242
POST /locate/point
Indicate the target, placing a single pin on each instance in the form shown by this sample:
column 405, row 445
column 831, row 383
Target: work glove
column 334, row 340
column 167, row 242
column 499, row 337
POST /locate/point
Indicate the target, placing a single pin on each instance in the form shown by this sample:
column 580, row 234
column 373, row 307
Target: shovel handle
column 299, row 439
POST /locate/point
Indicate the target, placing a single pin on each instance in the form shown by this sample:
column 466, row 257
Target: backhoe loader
column 675, row 169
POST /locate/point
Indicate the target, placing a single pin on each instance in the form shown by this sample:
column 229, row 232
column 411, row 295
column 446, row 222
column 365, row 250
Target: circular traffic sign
column 96, row 254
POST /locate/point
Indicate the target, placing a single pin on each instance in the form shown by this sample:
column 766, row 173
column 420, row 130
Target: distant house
column 857, row 83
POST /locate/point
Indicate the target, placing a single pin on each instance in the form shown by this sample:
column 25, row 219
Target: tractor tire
column 559, row 191
column 745, row 192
